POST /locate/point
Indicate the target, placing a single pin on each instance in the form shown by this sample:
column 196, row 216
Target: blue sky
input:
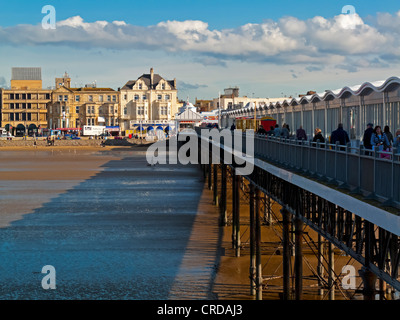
column 267, row 48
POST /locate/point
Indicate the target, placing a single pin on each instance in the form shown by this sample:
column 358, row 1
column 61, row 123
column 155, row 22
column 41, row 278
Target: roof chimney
column 151, row 76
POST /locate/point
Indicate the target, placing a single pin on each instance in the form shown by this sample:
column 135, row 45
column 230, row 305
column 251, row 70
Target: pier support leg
column 331, row 268
column 258, row 246
column 210, row 174
column 369, row 281
column 286, row 253
column 215, row 184
column 252, row 244
column 369, row 278
column 298, row 260
column 237, row 215
column 267, row 211
column 234, row 203
column 222, row 206
column 320, row 269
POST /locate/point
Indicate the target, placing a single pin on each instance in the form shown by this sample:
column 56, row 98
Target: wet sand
column 112, row 226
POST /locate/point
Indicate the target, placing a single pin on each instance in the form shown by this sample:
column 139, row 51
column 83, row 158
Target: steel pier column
column 215, row 185
column 234, row 203
column 298, row 260
column 331, row 269
column 320, row 269
column 252, row 244
column 222, row 206
column 258, row 246
column 237, row 214
column 286, row 253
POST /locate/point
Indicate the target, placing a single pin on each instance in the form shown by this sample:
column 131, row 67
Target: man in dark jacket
column 367, row 136
column 340, row 135
column 301, row 134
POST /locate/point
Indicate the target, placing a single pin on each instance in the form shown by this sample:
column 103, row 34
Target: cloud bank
column 345, row 41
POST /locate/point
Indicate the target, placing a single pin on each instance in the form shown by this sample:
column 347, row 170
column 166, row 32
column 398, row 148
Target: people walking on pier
column 271, row 131
column 261, row 130
column 367, row 137
column 340, row 135
column 301, row 134
column 396, row 142
column 380, row 140
column 388, row 134
column 318, row 137
column 285, row 132
column 277, row 131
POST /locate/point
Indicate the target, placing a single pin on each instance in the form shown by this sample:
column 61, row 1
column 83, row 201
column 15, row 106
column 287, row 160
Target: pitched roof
column 146, row 79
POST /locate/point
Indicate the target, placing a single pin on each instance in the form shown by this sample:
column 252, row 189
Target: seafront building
column 23, row 106
column 231, row 99
column 150, row 99
column 72, row 108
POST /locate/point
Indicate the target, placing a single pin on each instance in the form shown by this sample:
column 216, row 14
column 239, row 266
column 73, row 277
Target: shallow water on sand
column 112, row 227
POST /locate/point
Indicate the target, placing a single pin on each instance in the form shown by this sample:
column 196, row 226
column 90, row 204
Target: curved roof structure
column 388, row 85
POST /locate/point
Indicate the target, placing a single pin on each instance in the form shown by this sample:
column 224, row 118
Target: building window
column 140, row 86
column 17, row 96
column 17, row 106
column 159, row 97
column 29, row 105
column 77, row 109
column 24, row 106
column 11, row 105
column 24, row 96
column 125, row 111
column 163, row 86
column 29, row 116
column 114, row 98
column 144, row 97
column 125, row 96
column 140, row 111
column 47, row 96
column 17, row 117
column 111, row 109
column 77, row 98
column 101, row 98
column 92, row 109
column 65, row 98
column 88, row 109
column 63, row 109
column 167, row 97
column 12, row 117
column 91, row 98
column 59, row 98
column 136, row 97
column 12, row 96
column 164, row 111
column 109, row 98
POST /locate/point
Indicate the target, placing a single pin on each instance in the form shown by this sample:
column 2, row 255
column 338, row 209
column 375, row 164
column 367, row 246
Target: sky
column 266, row 48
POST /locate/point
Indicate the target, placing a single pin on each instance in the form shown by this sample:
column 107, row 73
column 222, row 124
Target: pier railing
column 370, row 173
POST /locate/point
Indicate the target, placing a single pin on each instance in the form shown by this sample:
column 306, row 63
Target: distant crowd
column 373, row 137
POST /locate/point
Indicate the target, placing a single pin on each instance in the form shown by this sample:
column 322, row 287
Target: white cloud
column 318, row 41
